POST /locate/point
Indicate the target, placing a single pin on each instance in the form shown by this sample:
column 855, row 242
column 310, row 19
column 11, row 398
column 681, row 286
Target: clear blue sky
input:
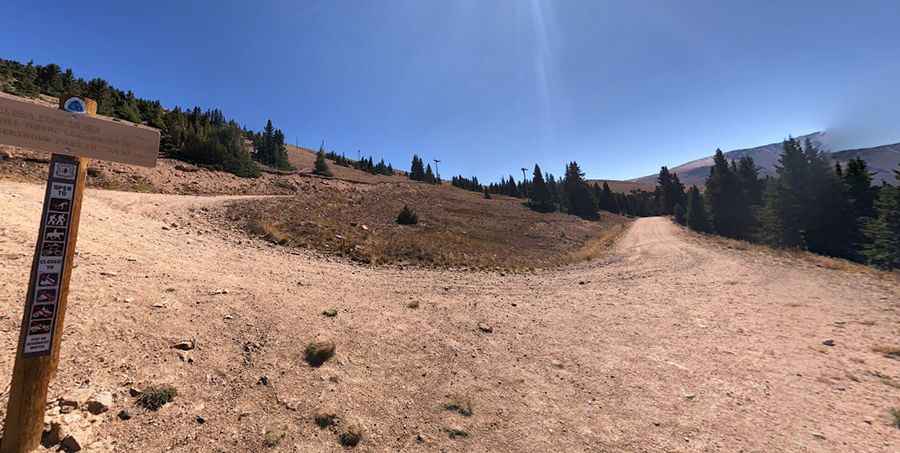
column 491, row 86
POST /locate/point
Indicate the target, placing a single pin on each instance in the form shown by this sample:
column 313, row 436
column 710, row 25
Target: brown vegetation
column 455, row 228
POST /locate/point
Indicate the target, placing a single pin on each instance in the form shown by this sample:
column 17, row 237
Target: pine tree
column 883, row 232
column 829, row 221
column 429, row 175
column 577, row 195
column 669, row 191
column 321, row 166
column 859, row 188
column 540, row 199
column 417, row 169
column 730, row 211
column 753, row 186
column 696, row 217
column 787, row 198
column 679, row 214
column 607, row 201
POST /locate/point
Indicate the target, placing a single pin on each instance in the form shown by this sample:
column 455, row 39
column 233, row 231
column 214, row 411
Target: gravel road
column 674, row 343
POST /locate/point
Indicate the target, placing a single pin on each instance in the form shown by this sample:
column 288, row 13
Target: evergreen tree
column 787, row 198
column 321, row 166
column 754, row 187
column 696, row 217
column 607, row 201
column 417, row 169
column 578, row 197
column 679, row 214
column 859, row 188
column 540, row 199
column 730, row 211
column 429, row 175
column 883, row 232
column 669, row 191
column 829, row 221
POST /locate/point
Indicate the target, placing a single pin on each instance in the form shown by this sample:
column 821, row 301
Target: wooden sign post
column 74, row 131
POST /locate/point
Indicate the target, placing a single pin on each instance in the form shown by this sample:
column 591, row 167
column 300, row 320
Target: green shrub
column 157, row 396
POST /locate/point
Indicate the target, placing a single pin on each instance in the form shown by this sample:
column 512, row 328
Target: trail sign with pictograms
column 73, row 133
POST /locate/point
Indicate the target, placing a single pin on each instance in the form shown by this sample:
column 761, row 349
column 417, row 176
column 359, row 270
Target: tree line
column 204, row 137
column 571, row 193
column 810, row 203
column 366, row 164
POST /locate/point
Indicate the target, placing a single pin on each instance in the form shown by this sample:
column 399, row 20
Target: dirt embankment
column 673, row 344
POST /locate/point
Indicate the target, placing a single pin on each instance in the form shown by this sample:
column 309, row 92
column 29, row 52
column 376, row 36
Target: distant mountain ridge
column 882, row 161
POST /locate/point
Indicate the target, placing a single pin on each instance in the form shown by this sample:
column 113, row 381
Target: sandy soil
column 674, row 344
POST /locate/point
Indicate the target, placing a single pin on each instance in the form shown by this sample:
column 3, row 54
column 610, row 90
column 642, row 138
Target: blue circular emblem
column 74, row 105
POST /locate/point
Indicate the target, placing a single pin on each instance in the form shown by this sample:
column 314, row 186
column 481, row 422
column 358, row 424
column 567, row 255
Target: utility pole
column 524, row 188
column 437, row 173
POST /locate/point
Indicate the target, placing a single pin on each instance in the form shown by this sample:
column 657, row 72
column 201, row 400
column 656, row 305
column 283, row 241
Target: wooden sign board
column 30, row 125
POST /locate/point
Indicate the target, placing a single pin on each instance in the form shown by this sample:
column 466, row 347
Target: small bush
column 155, row 397
column 325, row 419
column 407, row 216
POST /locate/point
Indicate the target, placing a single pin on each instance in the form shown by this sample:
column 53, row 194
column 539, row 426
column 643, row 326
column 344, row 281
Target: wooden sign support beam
column 37, row 357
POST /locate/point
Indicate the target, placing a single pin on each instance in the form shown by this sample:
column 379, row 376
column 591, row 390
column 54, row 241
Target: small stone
column 331, row 312
column 74, row 399
column 109, row 274
column 414, row 304
column 556, row 364
column 100, row 402
column 200, row 420
column 365, row 228
column 185, row 345
column 318, row 352
column 690, row 396
column 218, row 292
column 819, row 436
column 828, row 342
column 159, row 305
column 185, row 357
column 263, row 380
column 351, row 435
column 228, row 317
column 485, row 328
column 124, row 414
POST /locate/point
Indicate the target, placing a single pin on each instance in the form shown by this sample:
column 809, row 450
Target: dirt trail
column 673, row 344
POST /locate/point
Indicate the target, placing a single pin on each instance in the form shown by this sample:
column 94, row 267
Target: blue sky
column 492, row 86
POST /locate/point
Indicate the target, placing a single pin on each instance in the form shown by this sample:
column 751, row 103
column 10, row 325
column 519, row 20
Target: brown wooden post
column 36, row 366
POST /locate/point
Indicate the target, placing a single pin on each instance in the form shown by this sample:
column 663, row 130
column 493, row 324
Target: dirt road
column 673, row 344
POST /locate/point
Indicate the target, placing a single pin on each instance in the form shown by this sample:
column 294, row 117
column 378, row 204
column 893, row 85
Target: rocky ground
column 673, row 343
